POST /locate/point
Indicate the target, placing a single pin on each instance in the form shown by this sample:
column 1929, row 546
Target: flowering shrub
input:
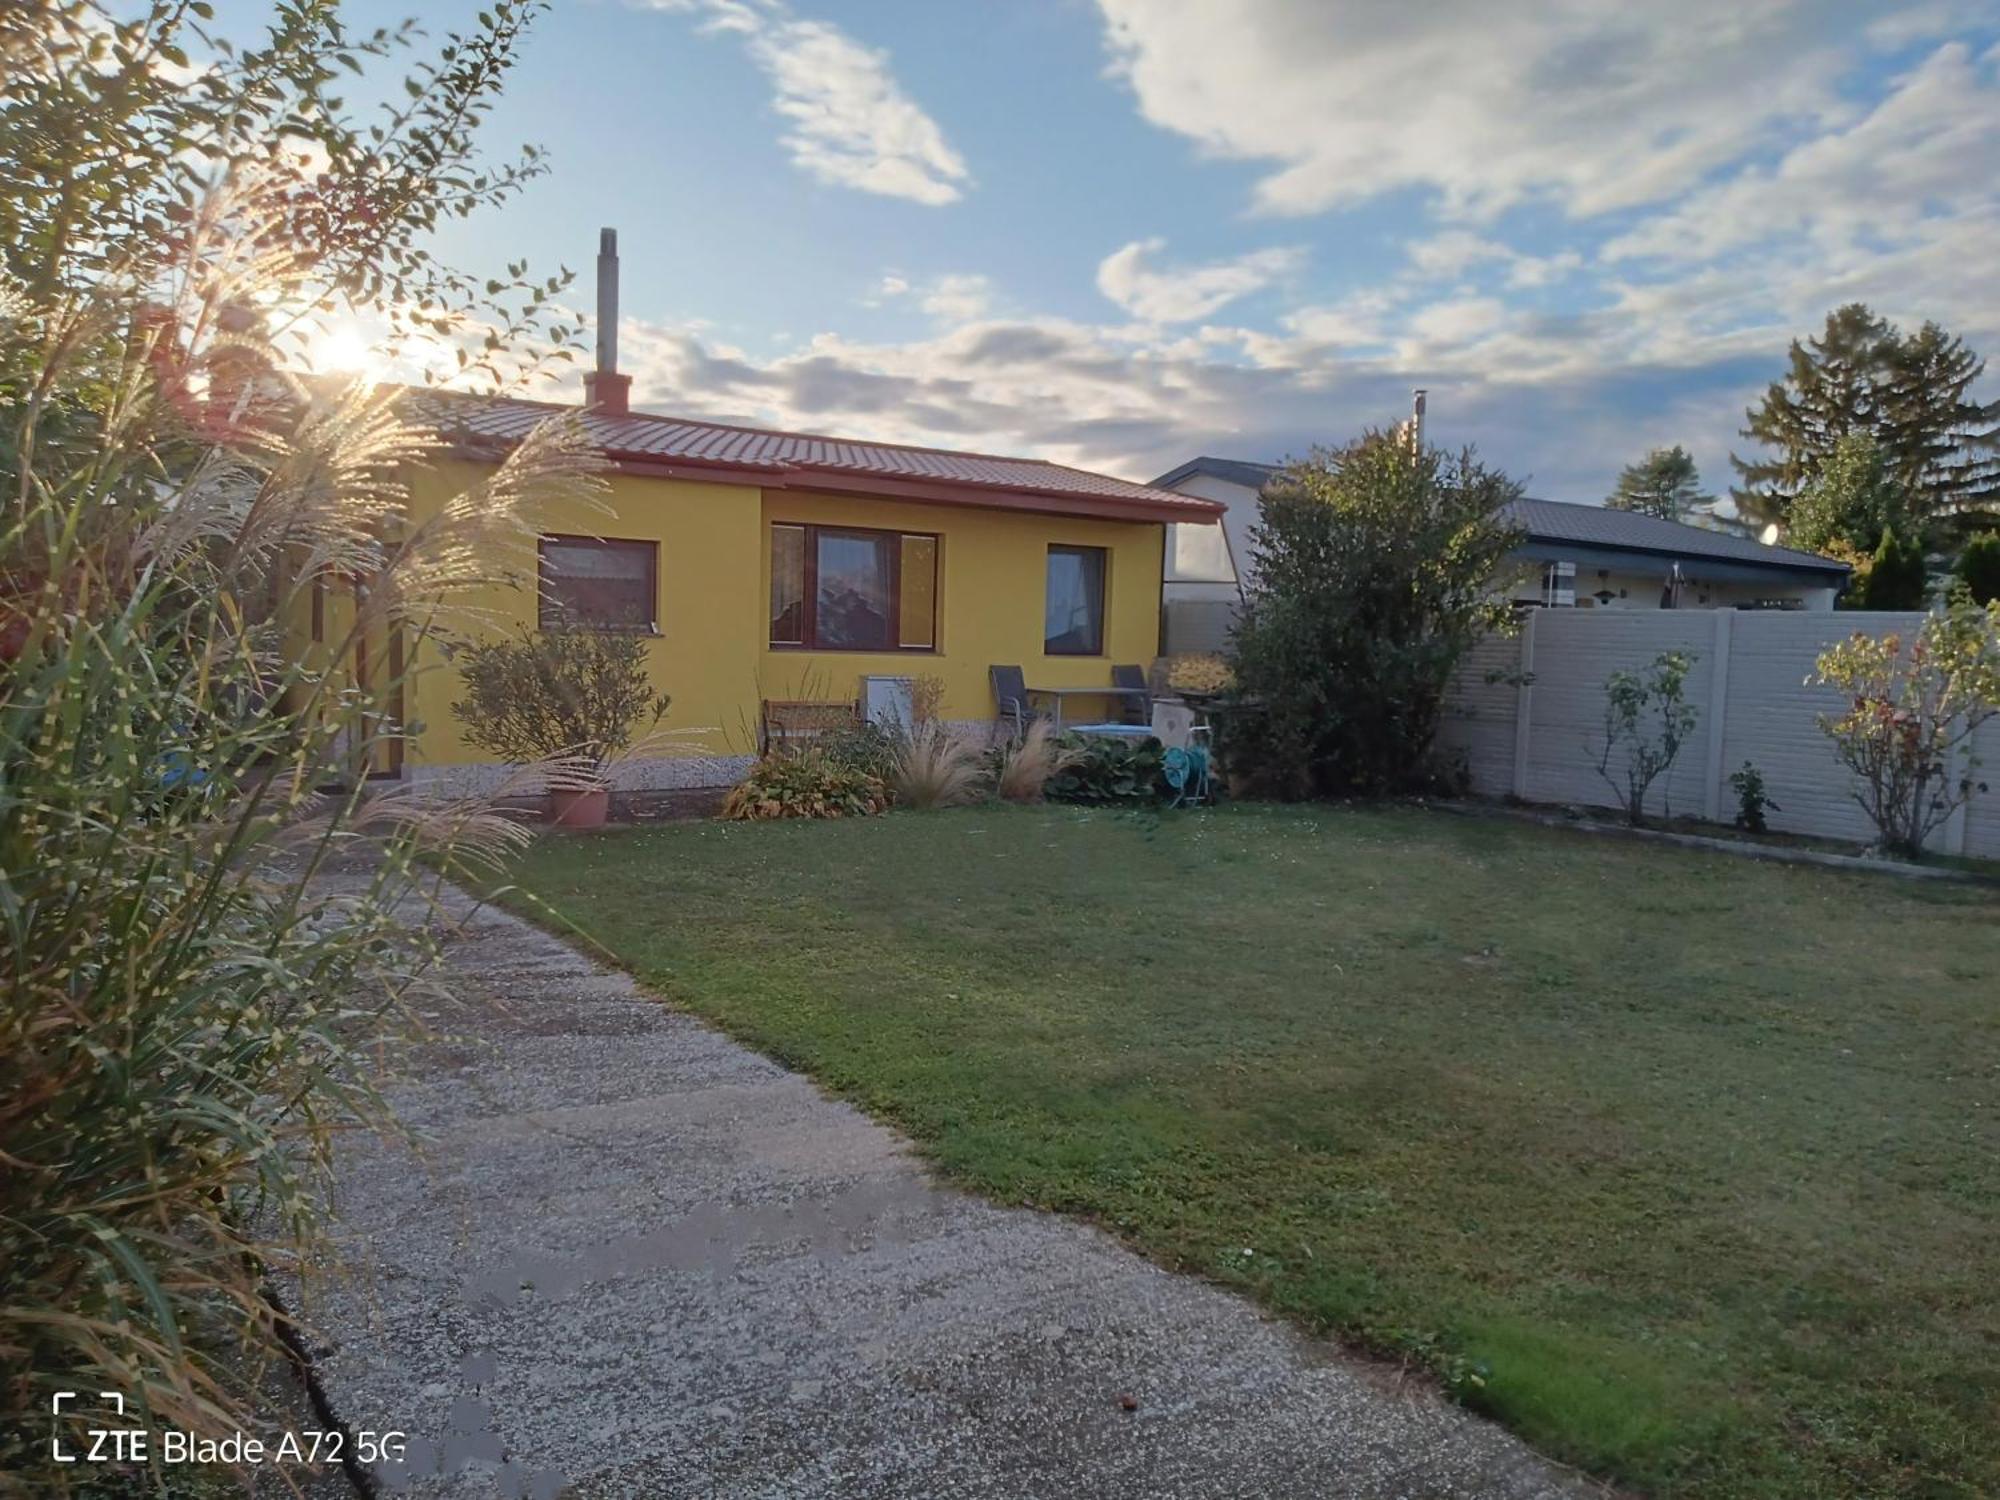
column 1199, row 672
column 804, row 784
column 1912, row 712
column 1647, row 715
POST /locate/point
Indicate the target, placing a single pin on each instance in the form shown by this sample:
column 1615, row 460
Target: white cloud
column 1454, row 252
column 1919, row 158
column 1594, row 106
column 1182, row 294
column 850, row 122
column 958, row 298
column 1592, row 397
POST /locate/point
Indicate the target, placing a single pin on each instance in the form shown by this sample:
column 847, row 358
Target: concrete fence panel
column 1541, row 740
column 1477, row 725
column 1575, row 652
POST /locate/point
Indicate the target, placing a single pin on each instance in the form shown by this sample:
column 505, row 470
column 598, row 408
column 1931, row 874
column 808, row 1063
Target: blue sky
column 1120, row 233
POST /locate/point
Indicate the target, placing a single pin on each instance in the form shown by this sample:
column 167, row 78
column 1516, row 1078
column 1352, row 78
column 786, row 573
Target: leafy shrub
column 1851, row 502
column 1751, row 801
column 1103, row 770
column 1024, row 766
column 1646, row 717
column 934, row 768
column 1912, row 712
column 803, row 784
column 540, row 695
column 863, row 746
column 1377, row 576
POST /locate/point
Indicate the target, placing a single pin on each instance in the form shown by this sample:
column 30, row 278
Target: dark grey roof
column 1581, row 525
column 1235, row 470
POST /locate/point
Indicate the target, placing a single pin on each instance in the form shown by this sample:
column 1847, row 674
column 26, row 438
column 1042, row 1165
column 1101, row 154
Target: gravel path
column 633, row 1258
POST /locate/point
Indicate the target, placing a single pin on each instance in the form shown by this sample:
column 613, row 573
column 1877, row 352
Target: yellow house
column 771, row 566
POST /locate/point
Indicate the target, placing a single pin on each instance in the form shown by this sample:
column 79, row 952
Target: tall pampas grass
column 196, row 981
column 934, row 768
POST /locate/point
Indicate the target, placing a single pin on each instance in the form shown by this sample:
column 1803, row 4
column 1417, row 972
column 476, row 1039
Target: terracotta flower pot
column 586, row 808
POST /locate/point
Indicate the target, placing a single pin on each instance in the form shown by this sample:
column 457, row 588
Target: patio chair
column 1132, row 707
column 1010, row 696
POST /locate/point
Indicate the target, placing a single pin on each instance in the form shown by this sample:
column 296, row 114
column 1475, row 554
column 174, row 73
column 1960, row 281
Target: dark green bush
column 1978, row 567
column 1377, row 576
column 1897, row 581
column 864, row 746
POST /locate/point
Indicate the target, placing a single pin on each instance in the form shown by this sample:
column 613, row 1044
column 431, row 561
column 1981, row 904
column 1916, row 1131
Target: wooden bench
column 792, row 720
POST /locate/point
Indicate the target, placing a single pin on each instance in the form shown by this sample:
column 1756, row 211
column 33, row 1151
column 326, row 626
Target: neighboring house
column 1575, row 555
column 778, row 566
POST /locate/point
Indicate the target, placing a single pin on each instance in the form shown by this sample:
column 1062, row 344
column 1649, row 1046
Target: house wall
column 1540, row 739
column 1639, row 588
column 992, row 571
column 713, row 654
column 1198, row 613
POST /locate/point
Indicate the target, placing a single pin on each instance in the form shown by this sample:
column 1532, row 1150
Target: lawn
column 1687, row 1167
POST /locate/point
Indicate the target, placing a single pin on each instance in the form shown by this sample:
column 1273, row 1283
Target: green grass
column 1687, row 1167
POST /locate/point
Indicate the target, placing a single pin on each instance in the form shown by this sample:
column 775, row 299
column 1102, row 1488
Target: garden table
column 1106, row 691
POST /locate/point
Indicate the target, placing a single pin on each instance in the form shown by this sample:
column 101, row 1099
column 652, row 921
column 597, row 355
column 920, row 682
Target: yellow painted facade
column 713, row 655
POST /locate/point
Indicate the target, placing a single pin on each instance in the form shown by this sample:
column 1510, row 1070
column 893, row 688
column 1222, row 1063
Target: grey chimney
column 604, row 389
column 1418, row 397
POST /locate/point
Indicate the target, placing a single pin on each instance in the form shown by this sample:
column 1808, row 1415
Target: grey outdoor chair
column 1132, row 708
column 1010, row 695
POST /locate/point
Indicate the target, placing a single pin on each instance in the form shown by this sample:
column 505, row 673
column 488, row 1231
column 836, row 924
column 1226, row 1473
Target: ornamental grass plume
column 196, row 976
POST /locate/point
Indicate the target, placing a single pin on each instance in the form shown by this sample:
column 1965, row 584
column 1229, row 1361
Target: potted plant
column 577, row 697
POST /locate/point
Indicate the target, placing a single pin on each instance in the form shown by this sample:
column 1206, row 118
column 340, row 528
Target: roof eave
column 1188, row 508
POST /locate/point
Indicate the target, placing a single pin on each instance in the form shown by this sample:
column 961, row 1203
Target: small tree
column 1978, row 567
column 1911, row 715
column 1898, row 579
column 1665, row 484
column 1376, row 577
column 1647, row 719
column 580, row 694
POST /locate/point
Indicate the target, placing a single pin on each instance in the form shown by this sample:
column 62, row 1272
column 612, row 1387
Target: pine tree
column 1665, row 484
column 1863, row 374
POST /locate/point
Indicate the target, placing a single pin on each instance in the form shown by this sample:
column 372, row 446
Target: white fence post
column 1523, row 701
column 1718, row 706
column 1952, row 835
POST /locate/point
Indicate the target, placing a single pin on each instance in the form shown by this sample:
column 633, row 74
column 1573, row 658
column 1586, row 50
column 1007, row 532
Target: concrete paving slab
column 630, row 1258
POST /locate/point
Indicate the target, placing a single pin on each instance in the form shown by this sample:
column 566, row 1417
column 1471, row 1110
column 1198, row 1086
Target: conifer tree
column 1665, row 483
column 1911, row 391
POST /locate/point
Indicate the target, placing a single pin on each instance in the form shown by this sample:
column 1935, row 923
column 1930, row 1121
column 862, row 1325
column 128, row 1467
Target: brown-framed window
column 598, row 583
column 845, row 588
column 1073, row 607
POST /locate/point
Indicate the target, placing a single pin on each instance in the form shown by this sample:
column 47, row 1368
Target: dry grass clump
column 1028, row 763
column 934, row 768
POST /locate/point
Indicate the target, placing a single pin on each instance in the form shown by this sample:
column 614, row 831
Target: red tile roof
column 686, row 448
